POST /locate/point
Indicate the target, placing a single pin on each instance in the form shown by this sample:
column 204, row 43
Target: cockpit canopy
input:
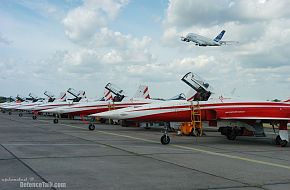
column 201, row 87
column 50, row 96
column 118, row 92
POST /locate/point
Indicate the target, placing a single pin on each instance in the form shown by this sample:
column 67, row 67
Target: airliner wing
column 199, row 42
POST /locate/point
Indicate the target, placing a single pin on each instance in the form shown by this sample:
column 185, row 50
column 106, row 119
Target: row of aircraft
column 233, row 117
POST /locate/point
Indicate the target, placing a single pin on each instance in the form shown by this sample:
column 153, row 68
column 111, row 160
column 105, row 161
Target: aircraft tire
column 34, row 117
column 10, row 113
column 55, row 121
column 92, row 127
column 165, row 139
column 283, row 143
column 231, row 135
column 20, row 114
column 280, row 142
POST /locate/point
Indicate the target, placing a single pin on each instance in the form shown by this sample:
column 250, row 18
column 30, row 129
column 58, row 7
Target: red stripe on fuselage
column 219, row 110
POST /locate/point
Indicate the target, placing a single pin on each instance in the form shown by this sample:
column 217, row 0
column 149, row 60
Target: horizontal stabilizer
column 228, row 42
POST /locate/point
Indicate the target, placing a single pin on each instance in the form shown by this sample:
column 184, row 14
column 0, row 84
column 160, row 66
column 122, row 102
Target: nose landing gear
column 92, row 127
column 165, row 139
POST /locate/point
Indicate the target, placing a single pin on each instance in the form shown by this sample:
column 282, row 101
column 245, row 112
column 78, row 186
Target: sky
column 84, row 44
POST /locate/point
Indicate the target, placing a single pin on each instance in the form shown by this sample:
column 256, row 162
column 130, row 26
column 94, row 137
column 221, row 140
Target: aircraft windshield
column 180, row 96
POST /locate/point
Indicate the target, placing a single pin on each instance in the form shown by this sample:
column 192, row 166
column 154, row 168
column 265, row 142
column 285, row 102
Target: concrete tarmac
column 68, row 156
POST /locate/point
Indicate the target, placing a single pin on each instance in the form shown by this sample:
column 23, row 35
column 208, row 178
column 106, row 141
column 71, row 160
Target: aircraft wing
column 199, row 42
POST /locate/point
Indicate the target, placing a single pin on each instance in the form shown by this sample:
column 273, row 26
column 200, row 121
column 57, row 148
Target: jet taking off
column 204, row 41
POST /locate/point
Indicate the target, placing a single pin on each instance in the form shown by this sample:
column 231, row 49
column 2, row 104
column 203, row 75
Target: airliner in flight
column 204, row 41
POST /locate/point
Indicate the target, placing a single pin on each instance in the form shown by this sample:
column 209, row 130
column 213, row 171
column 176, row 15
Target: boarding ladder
column 196, row 122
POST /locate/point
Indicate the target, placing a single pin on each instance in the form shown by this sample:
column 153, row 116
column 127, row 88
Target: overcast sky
column 53, row 45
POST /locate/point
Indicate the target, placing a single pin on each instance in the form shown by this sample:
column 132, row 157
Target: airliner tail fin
column 220, row 36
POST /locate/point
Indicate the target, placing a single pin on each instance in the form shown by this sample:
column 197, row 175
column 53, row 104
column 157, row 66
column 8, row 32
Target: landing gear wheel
column 34, row 117
column 20, row 114
column 165, row 139
column 9, row 113
column 231, row 135
column 55, row 121
column 283, row 143
column 92, row 127
column 3, row 111
column 280, row 142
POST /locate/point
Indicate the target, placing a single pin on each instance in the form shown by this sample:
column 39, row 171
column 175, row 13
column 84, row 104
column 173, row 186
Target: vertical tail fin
column 82, row 94
column 108, row 95
column 287, row 100
column 62, row 97
column 142, row 92
column 220, row 36
column 190, row 95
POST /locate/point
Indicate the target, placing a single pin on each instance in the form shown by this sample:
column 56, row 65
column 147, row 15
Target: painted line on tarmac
column 193, row 149
column 114, row 134
column 31, row 144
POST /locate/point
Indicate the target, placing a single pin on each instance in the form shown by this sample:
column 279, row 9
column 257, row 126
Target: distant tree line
column 5, row 99
column 276, row 100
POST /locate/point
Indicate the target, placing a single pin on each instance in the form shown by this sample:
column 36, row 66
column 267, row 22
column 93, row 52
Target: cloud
column 4, row 40
column 261, row 27
column 82, row 22
column 96, row 53
column 207, row 13
column 86, row 26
